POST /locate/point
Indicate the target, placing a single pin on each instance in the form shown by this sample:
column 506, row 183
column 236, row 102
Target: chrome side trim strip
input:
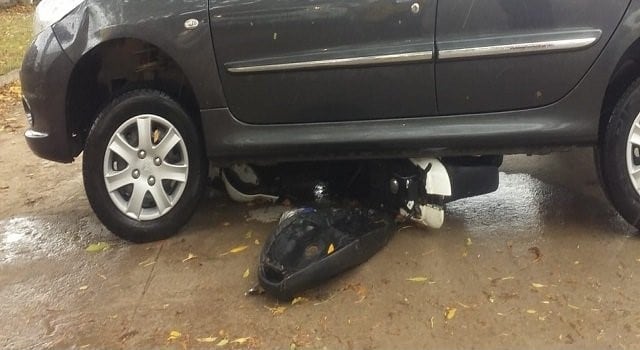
column 517, row 48
column 337, row 62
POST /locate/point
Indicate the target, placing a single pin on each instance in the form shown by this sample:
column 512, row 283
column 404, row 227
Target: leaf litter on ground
column 174, row 335
column 190, row 257
column 97, row 247
column 236, row 250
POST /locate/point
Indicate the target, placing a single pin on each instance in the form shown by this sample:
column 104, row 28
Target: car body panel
column 483, row 84
column 44, row 76
column 314, row 46
column 572, row 121
column 158, row 23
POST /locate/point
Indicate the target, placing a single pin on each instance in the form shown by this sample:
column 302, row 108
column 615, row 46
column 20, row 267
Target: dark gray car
column 150, row 90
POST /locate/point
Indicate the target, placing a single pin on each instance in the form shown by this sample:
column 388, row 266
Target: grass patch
column 15, row 34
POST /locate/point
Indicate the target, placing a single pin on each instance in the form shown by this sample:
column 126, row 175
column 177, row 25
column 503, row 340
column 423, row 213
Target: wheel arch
column 626, row 71
column 114, row 67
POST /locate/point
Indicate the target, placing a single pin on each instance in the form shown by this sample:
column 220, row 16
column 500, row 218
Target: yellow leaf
column 278, row 310
column 538, row 285
column 246, row 274
column 173, row 335
column 418, row 279
column 238, row 249
column 240, row 340
column 450, row 313
column 191, row 256
column 299, row 300
column 206, row 340
column 223, row 342
column 97, row 247
column 331, row 249
column 156, row 136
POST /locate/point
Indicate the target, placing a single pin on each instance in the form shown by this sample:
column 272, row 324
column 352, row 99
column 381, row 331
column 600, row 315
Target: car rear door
column 496, row 55
column 300, row 61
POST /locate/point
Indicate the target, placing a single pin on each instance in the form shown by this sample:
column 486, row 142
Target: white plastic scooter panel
column 438, row 182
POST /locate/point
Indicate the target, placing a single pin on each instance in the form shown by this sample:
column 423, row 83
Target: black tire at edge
column 612, row 152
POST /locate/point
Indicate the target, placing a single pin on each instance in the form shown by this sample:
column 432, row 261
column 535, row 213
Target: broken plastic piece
column 437, row 177
column 312, row 245
column 430, row 216
column 240, row 180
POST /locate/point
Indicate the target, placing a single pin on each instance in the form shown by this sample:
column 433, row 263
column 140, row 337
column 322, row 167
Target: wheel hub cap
column 146, row 167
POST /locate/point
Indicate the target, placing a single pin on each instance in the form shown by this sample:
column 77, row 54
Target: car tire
column 141, row 187
column 618, row 156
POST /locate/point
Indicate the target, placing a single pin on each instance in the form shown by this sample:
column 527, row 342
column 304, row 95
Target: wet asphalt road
column 545, row 262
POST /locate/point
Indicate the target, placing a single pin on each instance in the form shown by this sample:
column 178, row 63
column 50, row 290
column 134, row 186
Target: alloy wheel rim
column 146, row 167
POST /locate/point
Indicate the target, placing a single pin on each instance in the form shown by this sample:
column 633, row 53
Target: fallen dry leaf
column 531, row 311
column 191, row 256
column 256, row 242
column 173, row 335
column 240, row 340
column 418, row 279
column 97, row 247
column 536, row 253
column 469, row 242
column 84, row 288
column 206, row 340
column 246, row 274
column 331, row 249
column 538, row 285
column 156, row 136
column 237, row 250
column 299, row 300
column 359, row 289
column 573, row 307
column 277, row 310
column 464, row 305
column 146, row 263
column 223, row 342
column 450, row 313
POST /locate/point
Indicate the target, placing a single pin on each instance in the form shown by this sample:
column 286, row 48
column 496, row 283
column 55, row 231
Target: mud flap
column 312, row 245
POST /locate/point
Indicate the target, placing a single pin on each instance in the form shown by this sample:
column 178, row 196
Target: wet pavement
column 545, row 262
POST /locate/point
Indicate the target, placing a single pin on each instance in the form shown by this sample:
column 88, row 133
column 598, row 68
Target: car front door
column 496, row 55
column 301, row 61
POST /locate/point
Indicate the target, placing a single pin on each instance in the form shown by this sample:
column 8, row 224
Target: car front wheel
column 144, row 167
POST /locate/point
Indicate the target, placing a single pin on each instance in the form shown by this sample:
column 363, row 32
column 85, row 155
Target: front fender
column 157, row 22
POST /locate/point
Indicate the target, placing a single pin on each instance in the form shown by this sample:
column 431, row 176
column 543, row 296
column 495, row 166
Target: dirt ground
column 545, row 262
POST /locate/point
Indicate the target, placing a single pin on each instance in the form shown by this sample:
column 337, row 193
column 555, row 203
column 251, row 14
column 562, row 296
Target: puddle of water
column 525, row 206
column 30, row 238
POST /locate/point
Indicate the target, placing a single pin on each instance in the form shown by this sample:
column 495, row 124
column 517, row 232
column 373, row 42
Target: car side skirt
column 230, row 140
